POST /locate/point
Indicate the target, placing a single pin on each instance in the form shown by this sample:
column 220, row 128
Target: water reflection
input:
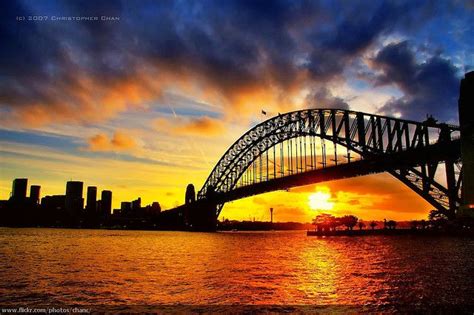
column 138, row 267
column 319, row 272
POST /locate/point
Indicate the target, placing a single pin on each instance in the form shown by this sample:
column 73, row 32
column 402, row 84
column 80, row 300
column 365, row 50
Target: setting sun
column 320, row 201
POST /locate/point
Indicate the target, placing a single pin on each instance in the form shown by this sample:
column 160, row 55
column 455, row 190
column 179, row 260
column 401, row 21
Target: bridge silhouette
column 316, row 145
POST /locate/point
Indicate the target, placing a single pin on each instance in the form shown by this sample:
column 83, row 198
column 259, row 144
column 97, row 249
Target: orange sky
column 185, row 157
column 369, row 197
column 147, row 104
column 152, row 144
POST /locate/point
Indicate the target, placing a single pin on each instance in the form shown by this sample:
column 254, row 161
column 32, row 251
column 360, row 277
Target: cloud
column 339, row 43
column 237, row 54
column 323, row 98
column 202, row 126
column 120, row 141
column 429, row 86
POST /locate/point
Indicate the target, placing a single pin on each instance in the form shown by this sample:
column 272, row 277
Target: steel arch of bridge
column 368, row 135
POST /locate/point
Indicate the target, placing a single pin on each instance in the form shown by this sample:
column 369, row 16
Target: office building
column 126, row 207
column 74, row 200
column 153, row 210
column 53, row 203
column 19, row 188
column 136, row 204
column 35, row 193
column 106, row 202
column 91, row 199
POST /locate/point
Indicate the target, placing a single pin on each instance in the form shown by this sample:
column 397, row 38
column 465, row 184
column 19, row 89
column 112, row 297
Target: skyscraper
column 19, row 188
column 35, row 193
column 106, row 202
column 91, row 199
column 74, row 200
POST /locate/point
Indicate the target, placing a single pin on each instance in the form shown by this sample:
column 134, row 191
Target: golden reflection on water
column 320, row 272
column 138, row 267
column 343, row 271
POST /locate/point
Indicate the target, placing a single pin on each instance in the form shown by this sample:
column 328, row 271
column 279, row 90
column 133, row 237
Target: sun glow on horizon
column 320, row 200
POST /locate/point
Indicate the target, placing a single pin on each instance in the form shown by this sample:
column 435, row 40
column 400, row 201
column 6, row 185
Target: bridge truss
column 338, row 143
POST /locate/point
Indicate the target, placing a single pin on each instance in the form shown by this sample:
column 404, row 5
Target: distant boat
column 234, row 230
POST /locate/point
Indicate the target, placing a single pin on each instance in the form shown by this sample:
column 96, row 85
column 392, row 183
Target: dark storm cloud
column 430, row 86
column 24, row 48
column 323, row 98
column 81, row 71
column 42, row 62
column 359, row 27
column 231, row 43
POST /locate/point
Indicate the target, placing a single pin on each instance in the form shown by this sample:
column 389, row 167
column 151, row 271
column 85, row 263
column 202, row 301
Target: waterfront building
column 19, row 188
column 91, row 206
column 74, row 200
column 106, row 202
column 35, row 194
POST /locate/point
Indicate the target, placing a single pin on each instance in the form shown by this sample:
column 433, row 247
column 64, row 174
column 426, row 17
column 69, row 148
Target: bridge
column 309, row 146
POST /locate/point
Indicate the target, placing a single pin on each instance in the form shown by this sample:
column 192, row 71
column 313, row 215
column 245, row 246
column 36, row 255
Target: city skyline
column 74, row 209
column 146, row 106
column 95, row 210
column 84, row 200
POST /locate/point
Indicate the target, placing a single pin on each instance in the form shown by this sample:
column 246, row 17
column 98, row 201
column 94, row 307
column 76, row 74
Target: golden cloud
column 120, row 141
column 85, row 98
column 203, row 126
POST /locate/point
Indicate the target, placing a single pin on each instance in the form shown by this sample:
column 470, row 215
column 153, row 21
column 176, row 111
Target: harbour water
column 109, row 267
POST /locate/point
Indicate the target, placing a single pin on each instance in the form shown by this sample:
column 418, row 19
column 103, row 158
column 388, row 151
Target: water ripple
column 43, row 266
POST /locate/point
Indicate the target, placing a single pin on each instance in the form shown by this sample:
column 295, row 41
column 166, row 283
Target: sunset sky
column 148, row 100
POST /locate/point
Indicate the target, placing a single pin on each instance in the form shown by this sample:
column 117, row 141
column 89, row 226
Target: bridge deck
column 376, row 164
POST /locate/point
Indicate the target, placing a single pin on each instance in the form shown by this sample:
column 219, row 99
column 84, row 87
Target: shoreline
column 337, row 233
column 421, row 232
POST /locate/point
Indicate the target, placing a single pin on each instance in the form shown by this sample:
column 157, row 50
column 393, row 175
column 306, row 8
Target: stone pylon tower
column 466, row 122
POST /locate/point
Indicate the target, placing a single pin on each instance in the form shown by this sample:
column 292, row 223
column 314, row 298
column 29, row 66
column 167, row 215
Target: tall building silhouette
column 126, row 207
column 19, row 188
column 91, row 199
column 53, row 204
column 137, row 204
column 106, row 202
column 35, row 193
column 74, row 200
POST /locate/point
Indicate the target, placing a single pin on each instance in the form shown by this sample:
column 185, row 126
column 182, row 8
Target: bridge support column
column 466, row 122
column 451, row 183
column 201, row 216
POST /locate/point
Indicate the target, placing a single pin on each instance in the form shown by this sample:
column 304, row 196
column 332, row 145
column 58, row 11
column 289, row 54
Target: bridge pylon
column 466, row 122
column 201, row 215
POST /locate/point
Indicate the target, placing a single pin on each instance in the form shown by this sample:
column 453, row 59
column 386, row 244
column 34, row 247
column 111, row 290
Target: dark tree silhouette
column 335, row 223
column 391, row 224
column 324, row 221
column 349, row 221
column 373, row 225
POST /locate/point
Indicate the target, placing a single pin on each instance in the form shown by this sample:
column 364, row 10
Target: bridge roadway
column 371, row 164
column 375, row 164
